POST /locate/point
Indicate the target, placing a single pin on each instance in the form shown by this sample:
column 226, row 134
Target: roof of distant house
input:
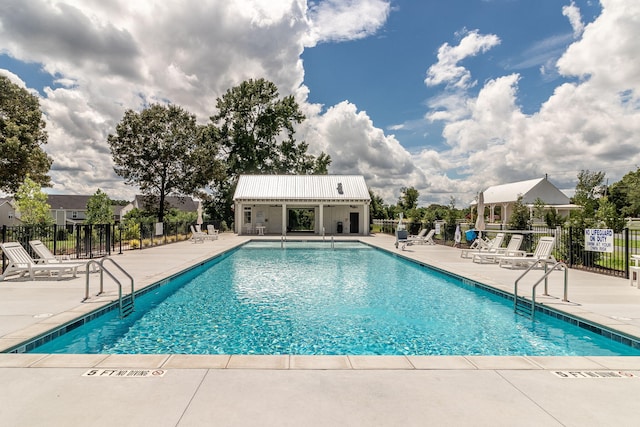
column 68, row 201
column 183, row 203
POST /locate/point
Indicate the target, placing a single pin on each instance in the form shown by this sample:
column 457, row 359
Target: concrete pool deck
column 52, row 390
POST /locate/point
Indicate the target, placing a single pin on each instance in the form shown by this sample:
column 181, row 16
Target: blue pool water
column 353, row 299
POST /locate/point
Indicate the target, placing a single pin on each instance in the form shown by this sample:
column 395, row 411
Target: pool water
column 315, row 299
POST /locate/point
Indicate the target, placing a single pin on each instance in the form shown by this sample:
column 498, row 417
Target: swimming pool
column 325, row 298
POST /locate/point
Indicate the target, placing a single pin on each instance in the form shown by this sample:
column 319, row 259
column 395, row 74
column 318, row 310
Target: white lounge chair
column 492, row 247
column 422, row 238
column 512, row 249
column 197, row 236
column 21, row 262
column 540, row 256
column 212, row 233
column 45, row 256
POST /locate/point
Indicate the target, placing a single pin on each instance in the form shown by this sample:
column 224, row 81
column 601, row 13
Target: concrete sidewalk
column 237, row 390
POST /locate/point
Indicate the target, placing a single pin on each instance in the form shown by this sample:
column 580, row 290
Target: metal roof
column 530, row 190
column 302, row 188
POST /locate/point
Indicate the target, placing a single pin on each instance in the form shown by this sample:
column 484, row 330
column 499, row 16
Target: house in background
column 68, row 209
column 505, row 196
column 275, row 204
column 8, row 212
column 182, row 203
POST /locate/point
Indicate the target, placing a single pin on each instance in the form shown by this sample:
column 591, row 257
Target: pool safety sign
column 593, row 374
column 125, row 373
column 598, row 240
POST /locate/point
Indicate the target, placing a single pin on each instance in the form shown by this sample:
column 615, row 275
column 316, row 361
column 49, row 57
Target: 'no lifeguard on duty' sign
column 598, row 239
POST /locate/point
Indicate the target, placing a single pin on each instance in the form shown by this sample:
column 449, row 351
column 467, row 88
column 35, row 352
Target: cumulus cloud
column 356, row 146
column 573, row 13
column 590, row 124
column 107, row 57
column 447, row 71
column 338, row 20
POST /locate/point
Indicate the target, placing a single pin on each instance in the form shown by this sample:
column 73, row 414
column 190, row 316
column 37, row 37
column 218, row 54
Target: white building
column 505, row 196
column 314, row 204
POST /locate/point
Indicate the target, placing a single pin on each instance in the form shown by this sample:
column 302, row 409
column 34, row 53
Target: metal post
column 626, row 253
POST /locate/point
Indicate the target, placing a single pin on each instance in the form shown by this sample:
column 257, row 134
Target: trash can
column 339, row 228
column 470, row 235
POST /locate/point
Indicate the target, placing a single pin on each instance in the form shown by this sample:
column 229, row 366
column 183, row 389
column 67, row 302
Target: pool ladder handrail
column 125, row 307
column 547, row 272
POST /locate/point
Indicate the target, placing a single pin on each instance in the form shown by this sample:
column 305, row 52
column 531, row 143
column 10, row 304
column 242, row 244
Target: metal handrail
column 115, row 279
column 544, row 277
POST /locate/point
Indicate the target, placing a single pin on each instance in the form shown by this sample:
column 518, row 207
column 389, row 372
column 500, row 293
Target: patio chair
column 212, row 232
column 197, row 236
column 45, row 256
column 491, row 247
column 512, row 249
column 21, row 262
column 540, row 256
column 422, row 238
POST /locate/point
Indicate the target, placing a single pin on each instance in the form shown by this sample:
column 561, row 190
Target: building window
column 74, row 214
column 10, row 215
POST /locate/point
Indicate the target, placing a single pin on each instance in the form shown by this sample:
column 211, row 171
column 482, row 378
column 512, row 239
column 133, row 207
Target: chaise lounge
column 540, row 256
column 493, row 247
column 512, row 249
column 20, row 262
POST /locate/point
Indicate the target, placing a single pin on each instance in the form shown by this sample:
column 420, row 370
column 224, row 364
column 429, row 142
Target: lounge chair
column 492, row 247
column 512, row 249
column 212, row 233
column 540, row 256
column 197, row 236
column 21, row 262
column 402, row 237
column 422, row 238
column 45, row 256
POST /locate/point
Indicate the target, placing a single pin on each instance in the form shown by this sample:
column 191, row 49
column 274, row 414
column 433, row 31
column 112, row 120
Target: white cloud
column 339, row 20
column 111, row 56
column 607, row 53
column 447, row 70
column 356, row 146
column 573, row 13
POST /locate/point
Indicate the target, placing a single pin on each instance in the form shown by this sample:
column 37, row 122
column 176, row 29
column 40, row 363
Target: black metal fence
column 569, row 248
column 94, row 241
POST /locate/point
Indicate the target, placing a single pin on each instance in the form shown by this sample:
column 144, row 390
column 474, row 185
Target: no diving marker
column 593, row 374
column 125, row 373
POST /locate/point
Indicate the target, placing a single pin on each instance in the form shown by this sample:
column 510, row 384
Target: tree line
column 164, row 151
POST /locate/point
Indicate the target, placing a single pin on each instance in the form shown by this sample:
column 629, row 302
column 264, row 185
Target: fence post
column 108, row 236
column 570, row 247
column 4, row 239
column 626, row 252
column 55, row 238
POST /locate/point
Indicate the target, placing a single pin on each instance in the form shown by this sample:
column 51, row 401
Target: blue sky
column 446, row 96
column 384, row 74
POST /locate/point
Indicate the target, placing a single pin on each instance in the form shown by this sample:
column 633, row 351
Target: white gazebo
column 506, row 195
column 330, row 204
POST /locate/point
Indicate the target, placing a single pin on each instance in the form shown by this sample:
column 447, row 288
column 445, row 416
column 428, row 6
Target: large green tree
column 99, row 209
column 408, row 198
column 22, row 135
column 164, row 151
column 588, row 189
column 32, row 204
column 256, row 129
column 625, row 194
